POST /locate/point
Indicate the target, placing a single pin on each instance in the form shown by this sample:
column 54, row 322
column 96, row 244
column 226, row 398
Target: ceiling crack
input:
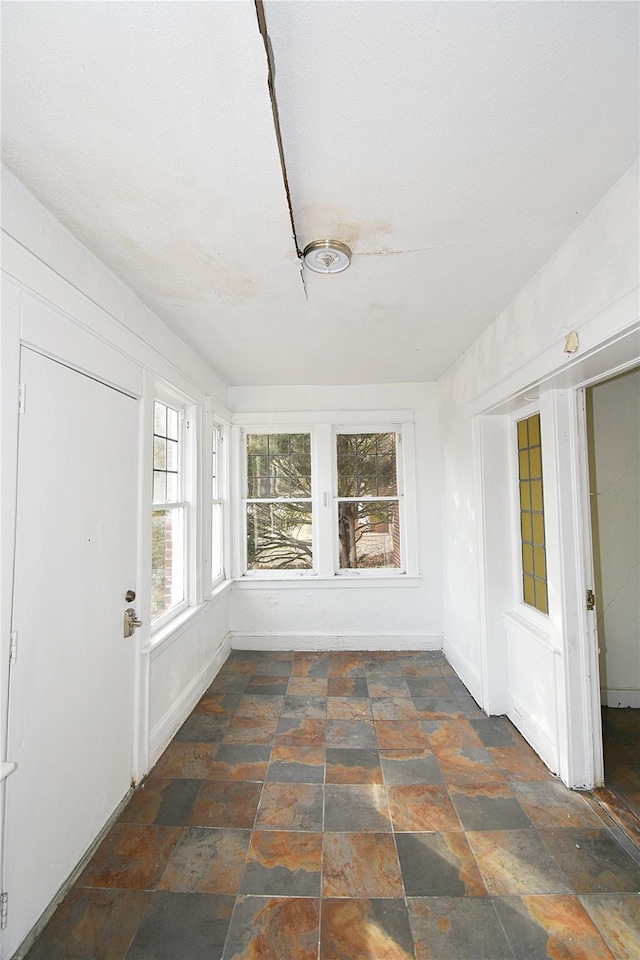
column 271, row 75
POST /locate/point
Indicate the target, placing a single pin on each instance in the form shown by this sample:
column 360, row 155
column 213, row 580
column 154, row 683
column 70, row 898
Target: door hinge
column 22, row 398
column 591, row 600
column 4, row 909
column 13, row 647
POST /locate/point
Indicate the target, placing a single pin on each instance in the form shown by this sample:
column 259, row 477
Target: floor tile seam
column 603, row 934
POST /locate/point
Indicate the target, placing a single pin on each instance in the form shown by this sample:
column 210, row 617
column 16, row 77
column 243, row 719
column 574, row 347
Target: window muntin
column 278, row 501
column 534, row 564
column 368, row 501
column 168, row 524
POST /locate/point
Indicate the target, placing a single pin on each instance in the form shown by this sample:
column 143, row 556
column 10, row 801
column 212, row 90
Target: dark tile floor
column 351, row 807
column 621, row 741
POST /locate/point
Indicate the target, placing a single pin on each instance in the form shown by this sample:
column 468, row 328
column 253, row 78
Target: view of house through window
column 167, row 551
column 534, row 565
column 279, row 524
column 368, row 501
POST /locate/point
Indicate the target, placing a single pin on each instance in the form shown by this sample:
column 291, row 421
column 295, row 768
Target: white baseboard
column 612, row 697
column 541, row 740
column 318, row 642
column 163, row 732
column 465, row 670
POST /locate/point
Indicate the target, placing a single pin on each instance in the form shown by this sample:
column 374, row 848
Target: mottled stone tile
column 416, row 808
column 132, row 856
column 400, row 734
column 416, row 669
column 360, row 865
column 281, row 863
column 429, row 687
column 410, row 766
column 346, row 665
column 349, row 708
column 438, row 708
column 438, row 865
column 307, row 687
column 260, row 705
column 593, row 860
column 516, row 862
column 186, row 761
column 290, row 806
column 345, row 765
column 273, row 667
column 617, row 917
column 310, row 708
column 226, row 803
column 206, row 860
column 550, row 926
column 375, row 929
column 252, row 730
column 347, row 687
column 381, row 669
column 218, row 704
column 271, row 928
column 92, row 925
column 292, row 731
column 358, row 807
column 240, row 664
column 303, row 763
column 162, row 801
column 519, row 764
column 269, row 686
column 240, row 761
column 458, row 929
column 389, row 687
column 455, row 732
column 202, row 728
column 229, row 683
column 174, row 920
column 310, row 665
column 551, row 804
column 467, row 765
column 394, row 708
column 495, row 732
column 351, row 733
column 489, row 806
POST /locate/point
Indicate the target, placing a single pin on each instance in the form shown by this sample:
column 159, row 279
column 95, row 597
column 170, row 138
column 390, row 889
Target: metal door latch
column 130, row 622
column 591, row 600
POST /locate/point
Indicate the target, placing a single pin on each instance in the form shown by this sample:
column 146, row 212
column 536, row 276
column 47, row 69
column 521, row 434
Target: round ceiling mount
column 327, row 256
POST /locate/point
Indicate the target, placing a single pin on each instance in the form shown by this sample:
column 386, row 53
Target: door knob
column 130, row 622
column 130, row 596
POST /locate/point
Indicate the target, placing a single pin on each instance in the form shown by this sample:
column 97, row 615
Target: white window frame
column 217, row 498
column 188, row 436
column 324, row 428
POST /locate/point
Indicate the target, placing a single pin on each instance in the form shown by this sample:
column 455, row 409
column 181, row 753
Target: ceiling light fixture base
column 326, row 256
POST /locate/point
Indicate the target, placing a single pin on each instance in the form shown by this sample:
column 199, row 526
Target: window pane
column 172, row 423
column 367, row 465
column 172, row 455
column 172, row 488
column 160, row 419
column 369, row 534
column 159, row 487
column 167, row 560
column 282, row 460
column 216, row 540
column 279, row 536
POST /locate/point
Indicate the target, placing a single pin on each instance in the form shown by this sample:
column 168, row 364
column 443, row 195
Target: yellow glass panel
column 522, row 434
column 525, row 495
column 528, row 590
column 523, row 460
column 541, row 597
column 535, row 462
column 527, row 558
column 536, row 495
column 527, row 529
column 538, row 528
column 534, row 429
column 539, row 563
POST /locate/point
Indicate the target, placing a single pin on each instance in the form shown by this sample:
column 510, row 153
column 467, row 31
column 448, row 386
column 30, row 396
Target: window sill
column 312, row 582
column 170, row 631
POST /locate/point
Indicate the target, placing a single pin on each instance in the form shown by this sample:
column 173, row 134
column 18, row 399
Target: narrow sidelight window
column 534, row 562
column 168, row 528
column 278, row 501
column 368, row 500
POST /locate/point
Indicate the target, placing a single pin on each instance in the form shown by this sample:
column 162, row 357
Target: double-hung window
column 278, row 501
column 532, row 537
column 169, row 524
column 217, row 506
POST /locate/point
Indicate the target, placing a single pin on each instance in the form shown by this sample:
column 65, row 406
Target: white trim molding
column 320, row 642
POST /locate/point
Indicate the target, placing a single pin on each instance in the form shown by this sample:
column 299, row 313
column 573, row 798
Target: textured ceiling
column 453, row 145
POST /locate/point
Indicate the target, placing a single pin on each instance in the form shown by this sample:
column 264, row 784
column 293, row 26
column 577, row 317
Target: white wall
column 615, row 506
column 590, row 285
column 336, row 613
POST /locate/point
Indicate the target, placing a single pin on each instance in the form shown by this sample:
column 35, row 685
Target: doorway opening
column 613, row 446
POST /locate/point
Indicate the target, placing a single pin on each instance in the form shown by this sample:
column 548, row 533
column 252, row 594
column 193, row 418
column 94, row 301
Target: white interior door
column 71, row 686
